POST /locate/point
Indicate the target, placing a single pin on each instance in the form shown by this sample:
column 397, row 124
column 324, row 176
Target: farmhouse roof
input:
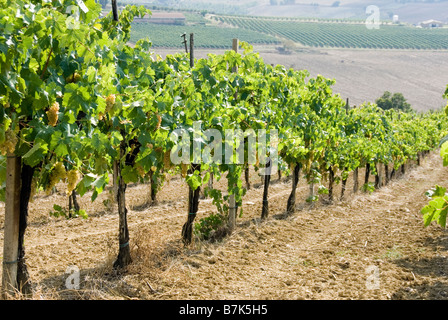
column 432, row 21
column 167, row 15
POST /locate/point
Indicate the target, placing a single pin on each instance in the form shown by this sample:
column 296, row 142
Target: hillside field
column 363, row 62
column 343, row 33
column 363, row 75
column 213, row 31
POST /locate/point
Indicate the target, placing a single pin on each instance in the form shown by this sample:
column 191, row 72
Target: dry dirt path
column 323, row 252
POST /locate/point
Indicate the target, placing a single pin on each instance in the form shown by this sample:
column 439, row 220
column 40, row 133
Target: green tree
column 393, row 101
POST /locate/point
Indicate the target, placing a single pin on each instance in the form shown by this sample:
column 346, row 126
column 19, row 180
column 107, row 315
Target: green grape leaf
column 129, row 174
column 436, row 209
column 444, row 153
column 35, row 154
column 194, row 181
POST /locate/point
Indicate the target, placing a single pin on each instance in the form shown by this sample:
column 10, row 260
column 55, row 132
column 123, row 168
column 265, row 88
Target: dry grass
column 320, row 252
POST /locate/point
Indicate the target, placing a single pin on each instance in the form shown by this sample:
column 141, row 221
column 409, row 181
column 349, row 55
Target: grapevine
column 120, row 113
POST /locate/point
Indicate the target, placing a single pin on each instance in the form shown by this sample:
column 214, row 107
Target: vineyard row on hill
column 344, row 35
column 207, row 37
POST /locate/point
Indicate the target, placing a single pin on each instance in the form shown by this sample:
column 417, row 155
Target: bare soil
column 364, row 75
column 322, row 251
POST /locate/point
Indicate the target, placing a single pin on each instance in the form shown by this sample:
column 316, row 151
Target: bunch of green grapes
column 72, row 180
column 57, row 174
column 167, row 160
column 33, row 189
column 52, row 114
column 184, row 169
column 75, row 77
column 159, row 121
column 8, row 143
column 110, row 102
column 140, row 170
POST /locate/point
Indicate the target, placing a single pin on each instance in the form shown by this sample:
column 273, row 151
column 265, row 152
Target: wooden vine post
column 392, row 173
column 343, row 187
column 12, row 220
column 116, row 164
column 115, row 179
column 73, row 204
column 247, row 174
column 19, row 177
column 291, row 204
column 344, row 179
column 378, row 176
column 232, row 202
column 267, row 180
column 367, row 174
column 356, row 180
column 115, row 10
column 331, row 179
column 193, row 195
column 153, row 187
column 184, row 36
column 124, row 253
column 193, row 206
column 386, row 173
column 191, row 50
column 26, row 178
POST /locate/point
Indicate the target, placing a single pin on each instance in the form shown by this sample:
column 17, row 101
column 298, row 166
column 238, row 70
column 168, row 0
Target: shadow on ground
column 434, row 267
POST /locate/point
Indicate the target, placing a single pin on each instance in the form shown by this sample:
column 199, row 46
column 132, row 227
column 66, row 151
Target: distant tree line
column 393, row 101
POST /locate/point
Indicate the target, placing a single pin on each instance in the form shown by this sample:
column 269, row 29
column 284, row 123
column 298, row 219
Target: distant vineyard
column 205, row 36
column 344, row 35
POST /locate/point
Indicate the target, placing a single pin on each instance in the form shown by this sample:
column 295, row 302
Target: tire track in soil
column 323, row 253
column 313, row 254
column 111, row 225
